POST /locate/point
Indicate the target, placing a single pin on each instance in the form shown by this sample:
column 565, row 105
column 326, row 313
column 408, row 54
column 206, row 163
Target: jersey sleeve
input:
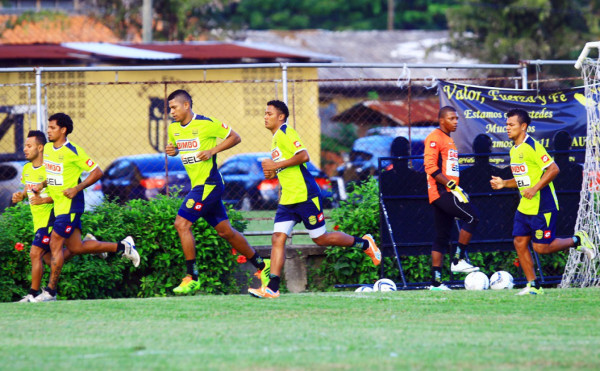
column 84, row 162
column 542, row 158
column 431, row 156
column 292, row 141
column 219, row 129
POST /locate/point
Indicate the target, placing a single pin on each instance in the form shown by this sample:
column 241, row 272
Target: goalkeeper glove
column 458, row 192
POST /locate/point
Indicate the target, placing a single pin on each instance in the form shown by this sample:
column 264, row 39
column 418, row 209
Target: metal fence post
column 284, row 82
column 38, row 98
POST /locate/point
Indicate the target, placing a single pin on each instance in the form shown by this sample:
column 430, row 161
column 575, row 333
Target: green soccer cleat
column 264, row 274
column 187, row 286
column 530, row 290
column 585, row 245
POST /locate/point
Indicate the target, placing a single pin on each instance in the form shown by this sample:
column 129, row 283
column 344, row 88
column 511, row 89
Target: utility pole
column 147, row 21
column 390, row 19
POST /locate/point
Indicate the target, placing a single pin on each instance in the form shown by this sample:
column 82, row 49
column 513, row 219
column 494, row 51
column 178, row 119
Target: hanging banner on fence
column 482, row 110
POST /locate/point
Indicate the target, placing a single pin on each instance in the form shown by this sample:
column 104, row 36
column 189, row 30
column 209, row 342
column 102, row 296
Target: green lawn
column 458, row 330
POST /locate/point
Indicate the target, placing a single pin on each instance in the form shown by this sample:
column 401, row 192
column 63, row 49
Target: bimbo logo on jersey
column 275, row 154
column 188, row 144
column 518, row 169
column 452, row 154
column 53, row 167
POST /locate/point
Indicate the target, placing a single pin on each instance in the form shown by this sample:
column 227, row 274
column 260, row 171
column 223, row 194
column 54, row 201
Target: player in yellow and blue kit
column 533, row 171
column 194, row 138
column 300, row 198
column 64, row 162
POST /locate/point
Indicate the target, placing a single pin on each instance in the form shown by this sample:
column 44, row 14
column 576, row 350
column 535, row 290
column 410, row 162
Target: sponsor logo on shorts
column 198, row 206
column 312, row 220
column 68, row 229
column 190, row 203
column 539, row 234
column 432, row 144
column 320, row 217
column 89, row 162
column 545, row 158
column 547, row 234
column 46, row 240
column 297, row 144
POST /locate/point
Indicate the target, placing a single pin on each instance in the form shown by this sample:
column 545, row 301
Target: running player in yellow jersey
column 300, row 198
column 194, row 138
column 533, row 172
column 64, row 162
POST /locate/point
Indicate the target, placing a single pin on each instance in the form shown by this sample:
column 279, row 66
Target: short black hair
column 444, row 110
column 522, row 115
column 63, row 120
column 281, row 107
column 38, row 135
column 181, row 94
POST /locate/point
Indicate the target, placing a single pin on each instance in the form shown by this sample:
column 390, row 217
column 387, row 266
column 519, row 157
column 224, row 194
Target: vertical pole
column 147, row 21
column 284, row 82
column 409, row 118
column 38, row 99
column 524, row 76
column 166, row 137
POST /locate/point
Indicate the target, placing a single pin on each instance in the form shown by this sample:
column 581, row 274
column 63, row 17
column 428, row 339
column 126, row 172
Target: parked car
column 143, row 177
column 10, row 181
column 246, row 187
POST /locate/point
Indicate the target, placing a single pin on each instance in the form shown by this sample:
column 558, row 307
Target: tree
column 511, row 30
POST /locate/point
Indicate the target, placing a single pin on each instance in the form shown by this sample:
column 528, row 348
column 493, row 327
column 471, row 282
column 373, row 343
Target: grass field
column 458, row 330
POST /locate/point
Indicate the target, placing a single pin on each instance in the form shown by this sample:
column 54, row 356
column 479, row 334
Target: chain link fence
column 120, row 119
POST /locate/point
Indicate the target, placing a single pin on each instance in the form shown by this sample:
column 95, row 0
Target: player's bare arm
column 37, row 200
column 94, row 176
column 549, row 175
column 232, row 140
column 299, row 158
column 499, row 183
column 18, row 196
column 171, row 149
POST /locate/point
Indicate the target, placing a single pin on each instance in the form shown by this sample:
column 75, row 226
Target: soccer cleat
column 187, row 286
column 44, row 296
column 441, row 287
column 373, row 251
column 130, row 251
column 585, row 245
column 263, row 274
column 88, row 237
column 27, row 299
column 263, row 293
column 463, row 267
column 530, row 290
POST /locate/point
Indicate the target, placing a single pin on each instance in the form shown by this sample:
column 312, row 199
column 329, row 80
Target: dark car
column 246, row 187
column 10, row 181
column 143, row 177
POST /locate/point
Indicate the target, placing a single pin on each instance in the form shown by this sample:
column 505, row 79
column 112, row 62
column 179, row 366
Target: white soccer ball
column 477, row 281
column 364, row 289
column 501, row 280
column 384, row 284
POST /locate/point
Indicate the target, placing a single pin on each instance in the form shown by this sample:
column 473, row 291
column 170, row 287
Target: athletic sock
column 191, row 269
column 274, row 282
column 576, row 241
column 359, row 242
column 257, row 261
column 535, row 283
column 50, row 291
column 33, row 292
column 436, row 276
column 120, row 246
column 462, row 251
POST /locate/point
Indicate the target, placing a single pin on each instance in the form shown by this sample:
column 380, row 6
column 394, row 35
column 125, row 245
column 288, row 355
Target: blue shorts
column 310, row 212
column 65, row 224
column 541, row 227
column 197, row 205
column 42, row 238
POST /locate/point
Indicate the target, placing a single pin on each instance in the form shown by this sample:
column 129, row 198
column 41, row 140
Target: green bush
column 359, row 214
column 150, row 223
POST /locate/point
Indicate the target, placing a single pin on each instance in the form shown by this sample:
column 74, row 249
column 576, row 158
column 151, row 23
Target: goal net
column 579, row 270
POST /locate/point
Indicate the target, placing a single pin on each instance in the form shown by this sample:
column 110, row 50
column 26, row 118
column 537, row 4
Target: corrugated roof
column 120, row 51
column 376, row 112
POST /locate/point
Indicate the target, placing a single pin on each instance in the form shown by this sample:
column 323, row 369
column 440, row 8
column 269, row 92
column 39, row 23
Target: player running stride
column 194, row 137
column 533, row 172
column 300, row 199
column 448, row 199
column 64, row 162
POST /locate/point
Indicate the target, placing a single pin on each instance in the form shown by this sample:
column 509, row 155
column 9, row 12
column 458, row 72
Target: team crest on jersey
column 61, row 158
column 312, row 220
column 297, row 144
column 188, row 144
column 521, row 156
column 190, row 203
column 432, row 144
column 539, row 234
column 198, row 206
column 547, row 234
column 89, row 162
column 545, row 158
column 194, row 131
